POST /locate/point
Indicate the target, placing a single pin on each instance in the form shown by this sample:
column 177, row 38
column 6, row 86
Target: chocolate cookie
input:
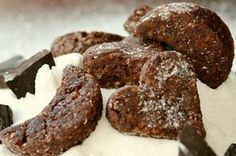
column 79, row 42
column 118, row 63
column 69, row 118
column 135, row 17
column 165, row 100
column 196, row 32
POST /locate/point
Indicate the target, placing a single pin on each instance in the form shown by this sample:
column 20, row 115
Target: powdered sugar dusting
column 126, row 48
column 137, row 51
column 170, row 68
column 165, row 112
column 165, row 11
column 105, row 47
column 161, row 107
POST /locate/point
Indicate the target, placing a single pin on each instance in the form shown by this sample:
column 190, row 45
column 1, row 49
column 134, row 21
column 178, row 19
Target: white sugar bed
column 218, row 108
column 28, row 26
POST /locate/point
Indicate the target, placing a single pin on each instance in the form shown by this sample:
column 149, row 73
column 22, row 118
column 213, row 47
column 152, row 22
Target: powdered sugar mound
column 44, row 76
column 165, row 11
column 75, row 59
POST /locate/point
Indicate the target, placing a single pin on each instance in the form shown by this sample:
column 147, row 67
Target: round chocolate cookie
column 118, row 63
column 165, row 100
column 135, row 17
column 195, row 32
column 69, row 118
column 79, row 42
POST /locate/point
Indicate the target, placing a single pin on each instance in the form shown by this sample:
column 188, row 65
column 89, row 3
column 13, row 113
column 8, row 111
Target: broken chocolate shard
column 193, row 144
column 231, row 151
column 7, row 66
column 22, row 79
column 5, row 117
column 11, row 63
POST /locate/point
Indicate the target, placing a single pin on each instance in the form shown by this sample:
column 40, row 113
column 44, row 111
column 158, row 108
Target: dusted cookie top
column 79, row 42
column 138, row 13
column 195, row 32
column 165, row 100
column 118, row 63
column 68, row 119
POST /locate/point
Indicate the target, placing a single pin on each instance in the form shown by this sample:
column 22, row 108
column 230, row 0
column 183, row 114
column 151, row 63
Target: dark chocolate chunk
column 5, row 117
column 193, row 144
column 231, row 151
column 9, row 65
column 22, row 79
column 167, row 47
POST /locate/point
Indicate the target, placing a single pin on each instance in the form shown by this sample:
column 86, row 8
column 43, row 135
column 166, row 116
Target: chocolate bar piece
column 192, row 144
column 9, row 65
column 5, row 117
column 231, row 151
column 22, row 79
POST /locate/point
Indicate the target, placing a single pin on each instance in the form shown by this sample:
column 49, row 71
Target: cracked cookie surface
column 196, row 32
column 165, row 100
column 118, row 63
column 68, row 119
column 79, row 42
